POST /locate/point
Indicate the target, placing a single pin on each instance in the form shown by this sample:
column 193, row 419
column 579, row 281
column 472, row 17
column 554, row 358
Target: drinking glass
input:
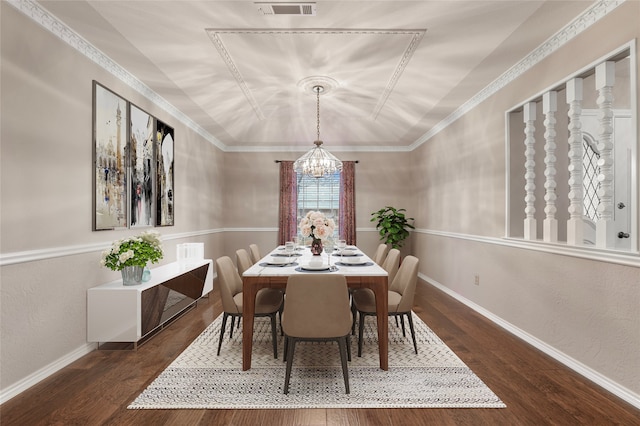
column 342, row 244
column 329, row 246
column 288, row 247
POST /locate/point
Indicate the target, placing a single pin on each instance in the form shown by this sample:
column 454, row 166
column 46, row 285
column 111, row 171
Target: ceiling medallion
column 308, row 84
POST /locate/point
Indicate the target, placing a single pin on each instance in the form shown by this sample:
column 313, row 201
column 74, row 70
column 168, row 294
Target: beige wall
column 46, row 172
column 585, row 309
column 251, row 195
column 46, row 190
column 454, row 183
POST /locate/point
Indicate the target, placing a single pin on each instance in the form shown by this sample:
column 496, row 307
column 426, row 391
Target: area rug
column 434, row 378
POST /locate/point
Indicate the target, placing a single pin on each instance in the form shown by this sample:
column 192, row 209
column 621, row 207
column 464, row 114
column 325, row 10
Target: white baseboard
column 603, row 381
column 43, row 373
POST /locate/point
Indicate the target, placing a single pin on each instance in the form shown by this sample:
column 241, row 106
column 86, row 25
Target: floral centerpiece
column 317, row 226
column 130, row 255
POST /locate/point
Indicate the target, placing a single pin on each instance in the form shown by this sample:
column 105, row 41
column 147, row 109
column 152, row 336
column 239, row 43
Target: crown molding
column 215, row 33
column 58, row 28
column 583, row 21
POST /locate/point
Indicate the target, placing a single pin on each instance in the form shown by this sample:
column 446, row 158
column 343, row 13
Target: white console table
column 118, row 313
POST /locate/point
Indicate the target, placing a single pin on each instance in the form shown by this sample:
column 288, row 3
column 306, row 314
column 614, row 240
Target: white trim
column 599, row 379
column 46, row 371
column 59, row 29
column 590, row 253
column 18, row 257
column 250, row 229
column 589, row 17
column 50, row 253
column 630, row 46
column 307, row 147
column 583, row 21
column 610, row 256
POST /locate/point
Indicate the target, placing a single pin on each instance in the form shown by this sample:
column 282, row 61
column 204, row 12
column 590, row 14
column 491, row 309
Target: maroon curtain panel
column 288, row 209
column 347, row 221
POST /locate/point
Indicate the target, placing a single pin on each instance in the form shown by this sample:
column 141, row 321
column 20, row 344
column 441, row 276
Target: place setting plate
column 278, row 264
column 316, row 268
column 363, row 263
column 349, row 254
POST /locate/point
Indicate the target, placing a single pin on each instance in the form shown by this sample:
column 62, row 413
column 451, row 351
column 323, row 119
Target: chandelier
column 318, row 161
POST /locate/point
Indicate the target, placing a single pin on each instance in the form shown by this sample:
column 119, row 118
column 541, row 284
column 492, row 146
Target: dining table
column 274, row 269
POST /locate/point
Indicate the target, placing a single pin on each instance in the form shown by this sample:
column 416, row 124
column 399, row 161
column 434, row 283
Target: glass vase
column 132, row 275
column 316, row 247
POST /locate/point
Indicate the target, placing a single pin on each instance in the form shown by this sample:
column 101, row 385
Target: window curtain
column 288, row 208
column 347, row 212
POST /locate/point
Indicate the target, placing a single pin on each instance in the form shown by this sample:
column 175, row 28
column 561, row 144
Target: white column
column 549, row 108
column 530, row 226
column 605, row 78
column 575, row 224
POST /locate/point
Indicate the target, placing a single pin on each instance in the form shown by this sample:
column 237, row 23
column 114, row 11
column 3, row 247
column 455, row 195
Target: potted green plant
column 393, row 225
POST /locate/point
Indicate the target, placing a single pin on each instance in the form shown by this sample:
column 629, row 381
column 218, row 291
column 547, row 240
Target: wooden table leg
column 380, row 289
column 249, row 291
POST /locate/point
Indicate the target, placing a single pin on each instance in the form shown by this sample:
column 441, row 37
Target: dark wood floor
column 537, row 390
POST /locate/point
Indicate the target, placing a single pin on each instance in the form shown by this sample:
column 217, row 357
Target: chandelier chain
column 318, row 89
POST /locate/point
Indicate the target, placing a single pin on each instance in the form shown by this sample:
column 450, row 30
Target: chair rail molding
column 14, row 258
column 610, row 256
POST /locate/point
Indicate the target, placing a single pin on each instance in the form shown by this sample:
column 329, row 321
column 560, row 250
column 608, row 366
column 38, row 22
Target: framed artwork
column 164, row 174
column 110, row 118
column 141, row 169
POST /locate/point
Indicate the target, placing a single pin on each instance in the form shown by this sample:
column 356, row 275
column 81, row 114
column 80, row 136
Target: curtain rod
column 280, row 161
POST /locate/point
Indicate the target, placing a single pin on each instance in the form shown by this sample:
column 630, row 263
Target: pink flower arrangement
column 317, row 226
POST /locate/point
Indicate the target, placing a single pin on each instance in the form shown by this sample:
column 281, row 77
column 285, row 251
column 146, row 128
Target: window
column 319, row 194
column 590, row 157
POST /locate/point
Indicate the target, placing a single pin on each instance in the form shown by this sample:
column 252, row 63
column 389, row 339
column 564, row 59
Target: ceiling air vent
column 306, row 9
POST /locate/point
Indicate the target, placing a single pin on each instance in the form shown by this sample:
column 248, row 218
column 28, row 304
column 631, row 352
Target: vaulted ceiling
column 392, row 70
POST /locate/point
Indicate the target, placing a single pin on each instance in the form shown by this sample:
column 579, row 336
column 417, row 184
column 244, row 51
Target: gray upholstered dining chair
column 254, row 250
column 317, row 309
column 401, row 294
column 391, row 264
column 268, row 301
column 243, row 260
column 380, row 254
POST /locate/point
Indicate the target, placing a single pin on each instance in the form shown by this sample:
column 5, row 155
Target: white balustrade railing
column 605, row 78
column 575, row 225
column 530, row 226
column 549, row 108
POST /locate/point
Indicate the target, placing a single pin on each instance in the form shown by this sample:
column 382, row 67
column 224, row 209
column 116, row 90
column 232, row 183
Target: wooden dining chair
column 380, row 254
column 254, row 250
column 400, row 299
column 317, row 309
column 268, row 301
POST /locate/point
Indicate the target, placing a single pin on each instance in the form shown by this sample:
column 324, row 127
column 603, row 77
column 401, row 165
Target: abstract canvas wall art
column 164, row 174
column 142, row 169
column 110, row 159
